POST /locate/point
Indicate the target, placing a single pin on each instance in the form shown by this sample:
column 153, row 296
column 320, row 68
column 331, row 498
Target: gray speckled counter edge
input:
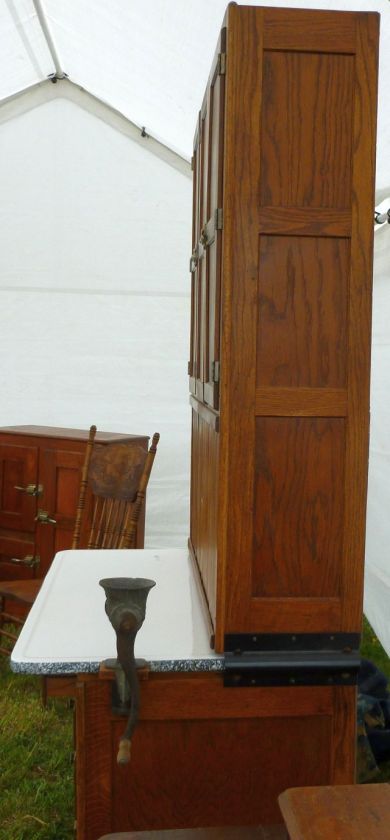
column 62, row 668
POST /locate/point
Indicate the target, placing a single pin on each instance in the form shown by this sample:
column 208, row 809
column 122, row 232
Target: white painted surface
column 68, row 624
column 94, row 291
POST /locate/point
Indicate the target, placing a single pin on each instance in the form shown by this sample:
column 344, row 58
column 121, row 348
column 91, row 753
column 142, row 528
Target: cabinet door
column 207, row 237
column 18, row 484
column 60, row 473
column 300, row 151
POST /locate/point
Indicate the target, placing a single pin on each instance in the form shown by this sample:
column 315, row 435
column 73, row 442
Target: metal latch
column 218, row 218
column 29, row 560
column 44, row 517
column 31, row 489
column 221, row 67
column 282, row 659
column 215, row 372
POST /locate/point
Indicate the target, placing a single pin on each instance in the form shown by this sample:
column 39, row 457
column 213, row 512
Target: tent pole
column 49, row 40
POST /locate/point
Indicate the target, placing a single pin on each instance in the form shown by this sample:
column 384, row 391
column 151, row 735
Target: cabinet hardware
column 204, row 237
column 218, row 218
column 44, row 517
column 291, row 659
column 215, row 372
column 31, row 489
column 29, row 560
column 193, row 263
column 221, row 64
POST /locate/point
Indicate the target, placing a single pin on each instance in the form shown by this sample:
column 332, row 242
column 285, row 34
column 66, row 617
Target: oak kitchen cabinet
column 284, row 161
column 40, row 470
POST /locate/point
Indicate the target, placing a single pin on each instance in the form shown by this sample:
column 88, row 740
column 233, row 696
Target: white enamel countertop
column 67, row 630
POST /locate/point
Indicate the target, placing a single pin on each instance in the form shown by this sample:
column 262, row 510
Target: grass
column 36, row 748
column 36, row 762
column 372, row 649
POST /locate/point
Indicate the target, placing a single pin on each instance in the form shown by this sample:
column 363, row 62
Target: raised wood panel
column 18, row 466
column 60, row 470
column 303, row 291
column 204, row 754
column 299, row 507
column 224, row 782
column 204, row 505
column 306, row 129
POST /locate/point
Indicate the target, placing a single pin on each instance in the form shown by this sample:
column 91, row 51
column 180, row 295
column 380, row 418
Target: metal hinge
column 194, row 259
column 189, row 368
column 283, row 659
column 215, row 371
column 221, row 64
column 192, row 163
column 218, row 219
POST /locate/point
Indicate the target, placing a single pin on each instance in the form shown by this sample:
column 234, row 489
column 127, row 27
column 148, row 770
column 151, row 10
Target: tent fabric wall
column 95, row 236
column 94, row 291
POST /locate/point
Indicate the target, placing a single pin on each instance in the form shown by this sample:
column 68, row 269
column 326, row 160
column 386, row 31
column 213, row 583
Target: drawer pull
column 44, row 517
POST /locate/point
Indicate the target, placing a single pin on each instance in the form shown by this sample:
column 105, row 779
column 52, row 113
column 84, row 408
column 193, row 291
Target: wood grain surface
column 346, row 812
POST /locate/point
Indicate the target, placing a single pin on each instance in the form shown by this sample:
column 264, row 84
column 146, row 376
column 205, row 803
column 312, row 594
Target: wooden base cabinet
column 203, row 754
column 40, row 471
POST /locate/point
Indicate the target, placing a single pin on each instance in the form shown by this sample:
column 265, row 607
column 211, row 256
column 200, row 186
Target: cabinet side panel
column 302, row 328
column 306, row 137
column 204, row 503
column 299, row 506
column 297, row 272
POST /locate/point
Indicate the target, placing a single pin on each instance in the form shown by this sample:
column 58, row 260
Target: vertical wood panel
column 204, row 505
column 364, row 131
column 299, row 507
column 306, row 137
column 302, row 311
column 240, row 270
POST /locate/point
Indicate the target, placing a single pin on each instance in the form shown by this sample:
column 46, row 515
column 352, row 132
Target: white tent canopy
column 148, row 59
column 95, row 233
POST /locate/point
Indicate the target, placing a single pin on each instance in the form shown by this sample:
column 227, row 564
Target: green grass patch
column 36, row 762
column 372, row 649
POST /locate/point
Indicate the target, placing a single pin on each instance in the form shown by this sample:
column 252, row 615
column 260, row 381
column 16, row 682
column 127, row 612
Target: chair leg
column 7, row 618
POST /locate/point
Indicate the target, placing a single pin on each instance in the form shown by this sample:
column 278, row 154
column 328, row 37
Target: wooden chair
column 112, row 492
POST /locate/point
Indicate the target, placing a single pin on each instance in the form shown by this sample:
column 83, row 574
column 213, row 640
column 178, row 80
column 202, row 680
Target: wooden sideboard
column 40, row 469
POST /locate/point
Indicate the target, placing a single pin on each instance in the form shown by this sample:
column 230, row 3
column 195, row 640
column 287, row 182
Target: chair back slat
column 127, row 537
column 83, row 488
column 117, row 476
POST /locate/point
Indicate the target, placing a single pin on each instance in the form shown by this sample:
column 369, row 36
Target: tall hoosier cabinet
column 283, row 201
column 281, row 306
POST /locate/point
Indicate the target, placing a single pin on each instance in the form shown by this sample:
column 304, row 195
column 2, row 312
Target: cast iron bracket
column 294, row 659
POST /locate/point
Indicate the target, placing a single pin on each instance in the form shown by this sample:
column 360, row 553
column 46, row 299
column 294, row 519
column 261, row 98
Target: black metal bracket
column 120, row 693
column 291, row 659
